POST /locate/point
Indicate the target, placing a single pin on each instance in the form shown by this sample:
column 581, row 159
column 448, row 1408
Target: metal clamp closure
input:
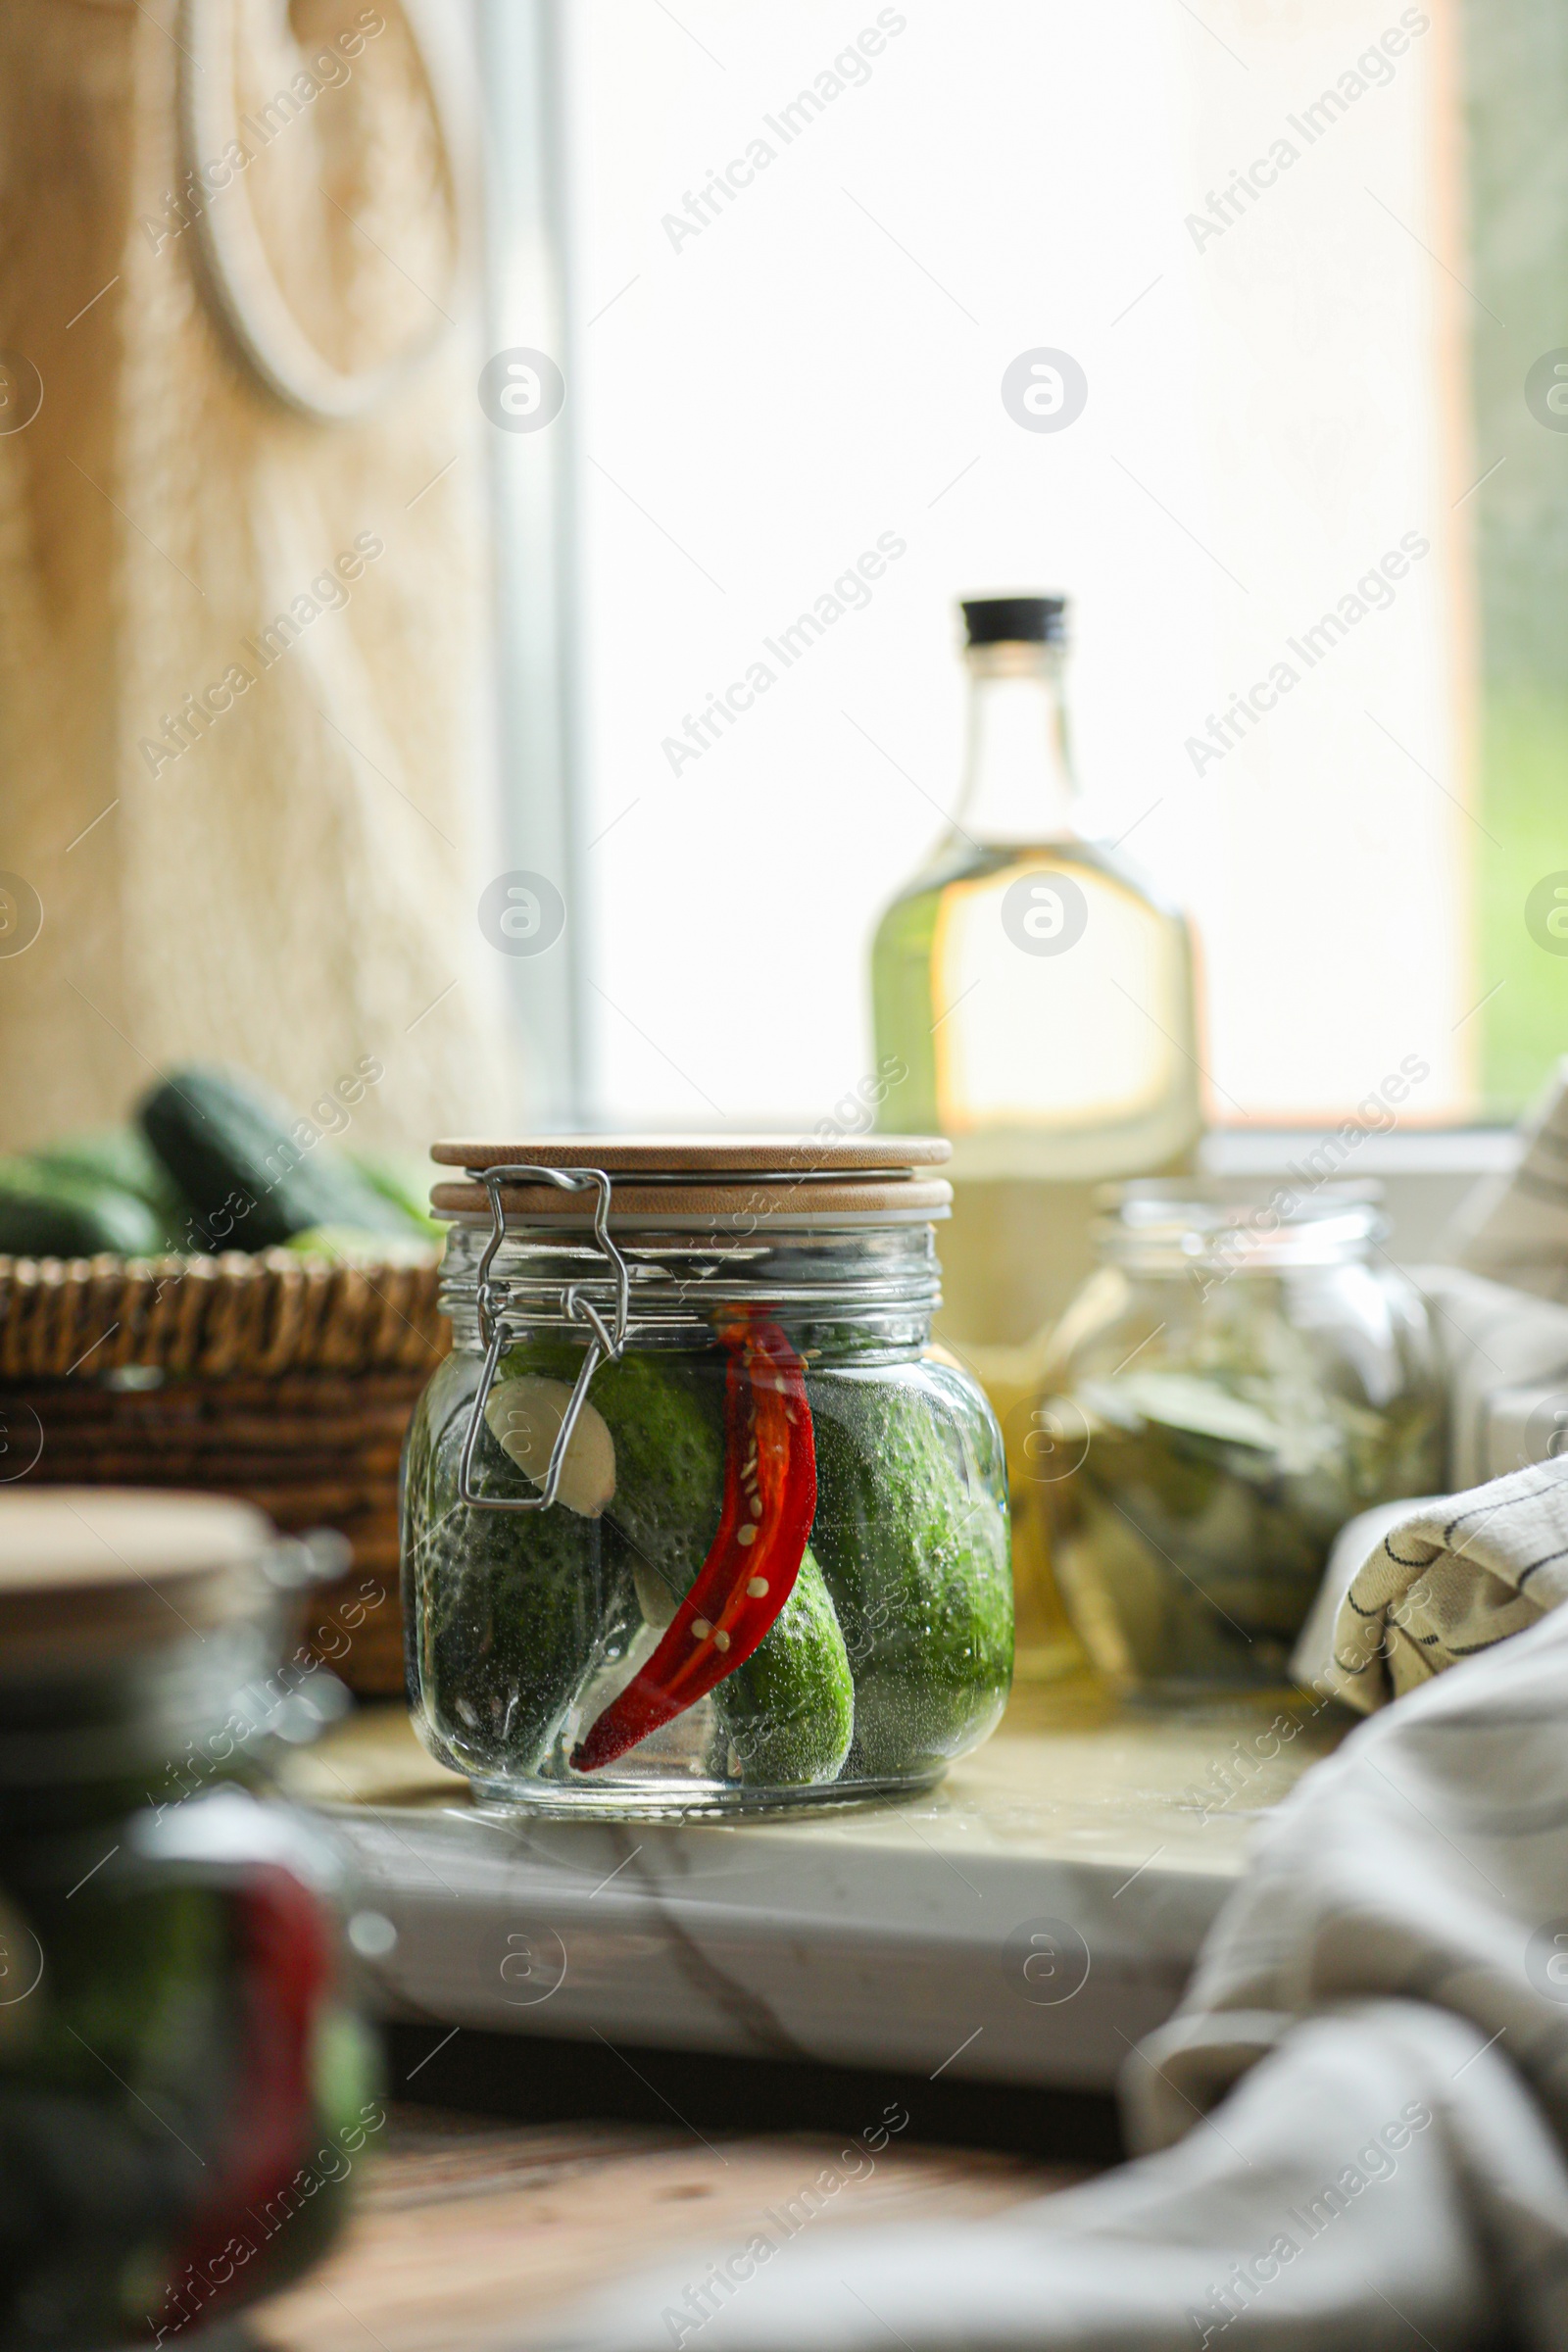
column 603, row 1344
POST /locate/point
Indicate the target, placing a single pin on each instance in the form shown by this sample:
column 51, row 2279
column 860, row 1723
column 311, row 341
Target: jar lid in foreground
column 90, row 1575
column 714, row 1179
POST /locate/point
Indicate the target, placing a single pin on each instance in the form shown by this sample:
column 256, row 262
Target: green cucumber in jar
column 916, row 1554
column 514, row 1610
column 789, row 1711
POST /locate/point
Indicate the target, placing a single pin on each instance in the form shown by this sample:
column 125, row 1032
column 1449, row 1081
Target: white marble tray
column 1026, row 1923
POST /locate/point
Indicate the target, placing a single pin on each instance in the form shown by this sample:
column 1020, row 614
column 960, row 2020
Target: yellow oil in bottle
column 1041, row 997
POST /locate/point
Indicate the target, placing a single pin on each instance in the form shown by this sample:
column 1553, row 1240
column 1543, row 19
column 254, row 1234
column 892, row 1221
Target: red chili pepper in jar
column 755, row 1558
column 285, row 1947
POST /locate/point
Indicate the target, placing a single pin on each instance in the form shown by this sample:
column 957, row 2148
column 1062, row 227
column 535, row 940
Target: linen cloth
column 1312, row 1665
column 1436, row 1582
column 1354, row 2126
column 1514, row 1227
column 1504, row 1359
column 1504, row 1356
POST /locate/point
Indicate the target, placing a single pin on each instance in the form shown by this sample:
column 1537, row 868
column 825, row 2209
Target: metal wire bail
column 603, row 1345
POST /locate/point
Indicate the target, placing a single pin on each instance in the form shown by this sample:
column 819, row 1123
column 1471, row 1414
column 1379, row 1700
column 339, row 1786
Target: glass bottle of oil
column 1041, row 1000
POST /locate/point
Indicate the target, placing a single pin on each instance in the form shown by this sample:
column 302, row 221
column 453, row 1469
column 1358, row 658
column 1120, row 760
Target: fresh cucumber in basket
column 253, row 1173
column 45, row 1213
column 404, row 1179
column 218, row 1163
column 121, row 1158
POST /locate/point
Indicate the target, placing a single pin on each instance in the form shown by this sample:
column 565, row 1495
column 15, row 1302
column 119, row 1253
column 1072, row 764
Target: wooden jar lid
column 716, row 1179
column 90, row 1575
column 714, row 1156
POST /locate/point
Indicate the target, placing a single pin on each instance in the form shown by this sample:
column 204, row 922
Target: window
column 1315, row 685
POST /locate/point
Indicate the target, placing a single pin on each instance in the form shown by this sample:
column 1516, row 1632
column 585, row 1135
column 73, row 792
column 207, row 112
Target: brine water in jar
column 770, row 1562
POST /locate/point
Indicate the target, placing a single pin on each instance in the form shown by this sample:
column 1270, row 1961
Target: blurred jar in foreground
column 183, row 2089
column 1243, row 1375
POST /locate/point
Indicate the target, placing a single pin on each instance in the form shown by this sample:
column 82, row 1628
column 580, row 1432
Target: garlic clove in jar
column 657, row 1600
column 524, row 1416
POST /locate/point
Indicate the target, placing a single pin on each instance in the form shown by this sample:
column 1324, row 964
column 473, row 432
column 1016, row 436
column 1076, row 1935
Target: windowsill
column 876, row 1936
column 1425, row 1173
column 1445, row 1152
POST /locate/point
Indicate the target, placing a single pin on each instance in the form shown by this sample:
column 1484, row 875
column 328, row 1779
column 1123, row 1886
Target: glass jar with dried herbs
column 1245, row 1371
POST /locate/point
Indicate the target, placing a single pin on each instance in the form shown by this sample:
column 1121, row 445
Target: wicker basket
column 285, row 1381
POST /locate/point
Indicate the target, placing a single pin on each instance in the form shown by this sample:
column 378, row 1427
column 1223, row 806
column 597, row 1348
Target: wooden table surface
column 470, row 2232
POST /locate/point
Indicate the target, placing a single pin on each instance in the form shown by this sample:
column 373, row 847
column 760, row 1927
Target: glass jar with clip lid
column 695, row 1519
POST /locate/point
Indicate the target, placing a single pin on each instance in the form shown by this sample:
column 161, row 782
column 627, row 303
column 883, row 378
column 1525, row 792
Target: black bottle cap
column 1016, row 619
